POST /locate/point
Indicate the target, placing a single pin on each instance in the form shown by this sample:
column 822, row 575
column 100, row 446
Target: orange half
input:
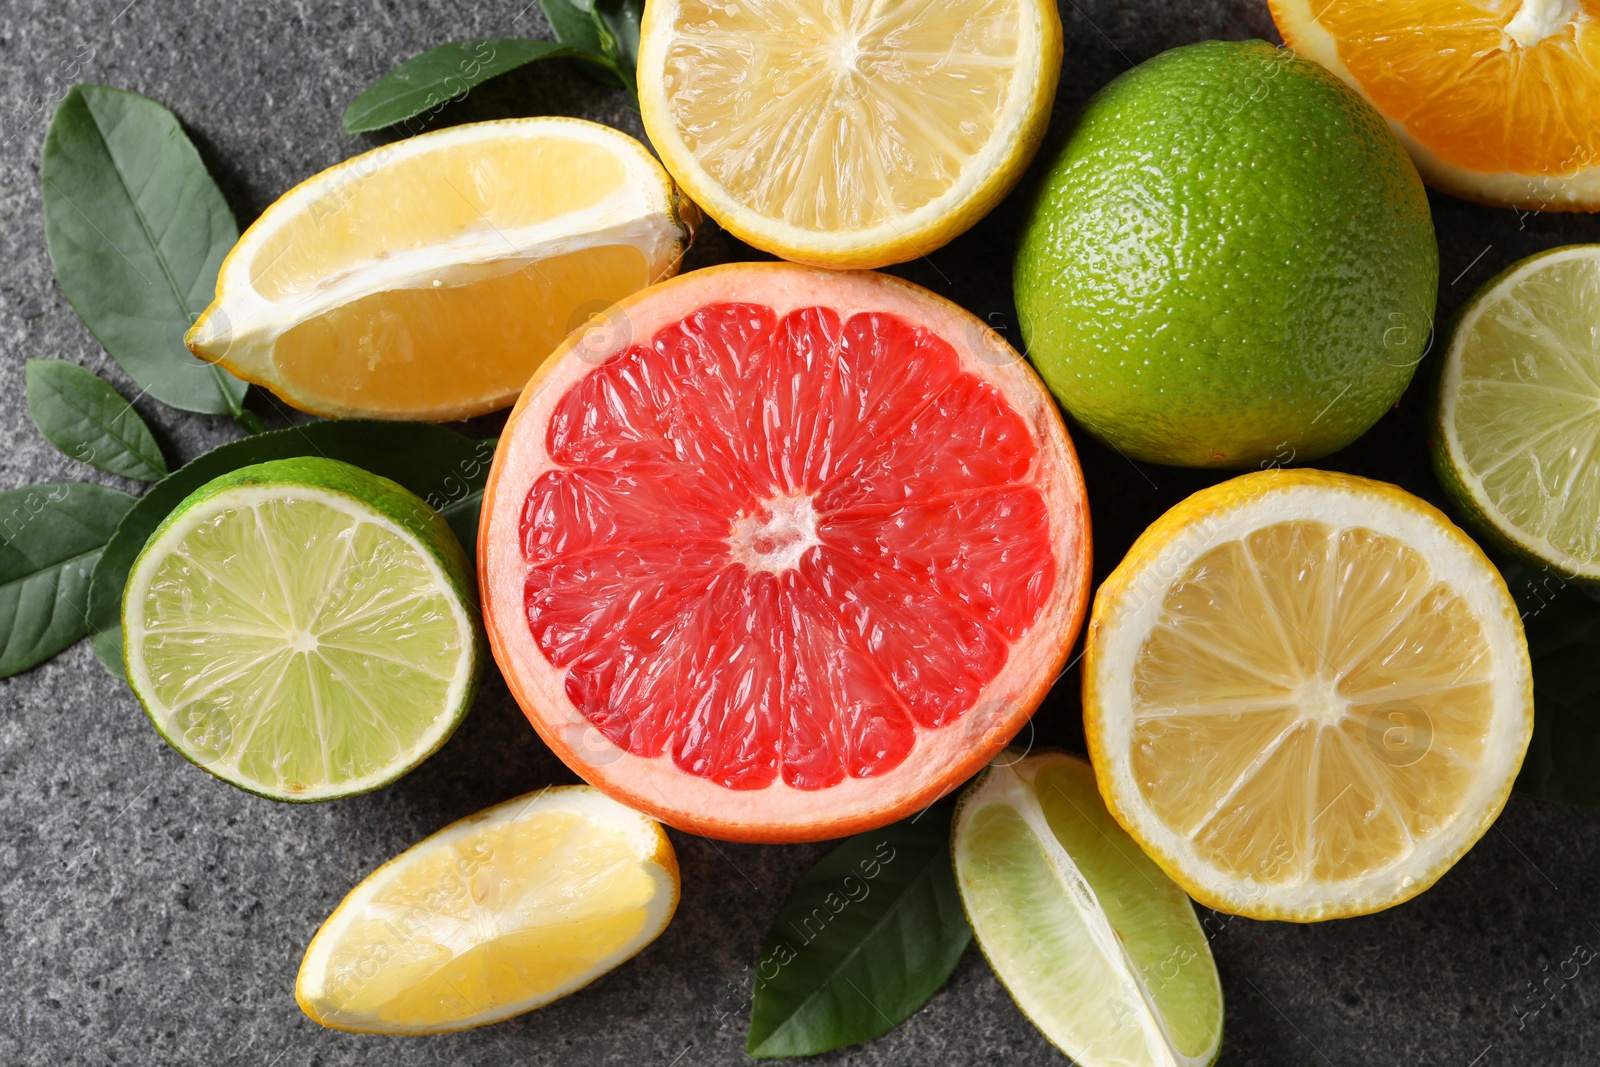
column 1497, row 100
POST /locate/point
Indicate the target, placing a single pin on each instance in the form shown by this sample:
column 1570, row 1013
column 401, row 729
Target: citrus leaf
column 1562, row 621
column 574, row 24
column 603, row 34
column 866, row 937
column 85, row 418
column 427, row 82
column 136, row 230
column 107, row 646
column 441, row 466
column 50, row 537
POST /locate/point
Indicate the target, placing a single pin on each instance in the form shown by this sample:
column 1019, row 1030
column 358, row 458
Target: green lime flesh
column 1517, row 424
column 303, row 629
column 1097, row 946
column 1230, row 262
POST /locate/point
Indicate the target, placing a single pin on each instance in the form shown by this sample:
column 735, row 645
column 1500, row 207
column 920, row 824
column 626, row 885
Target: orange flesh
column 1448, row 72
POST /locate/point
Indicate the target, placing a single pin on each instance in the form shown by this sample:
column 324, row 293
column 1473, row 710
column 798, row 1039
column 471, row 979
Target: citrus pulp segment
column 428, row 279
column 1518, row 422
column 781, row 553
column 848, row 135
column 1496, row 101
column 501, row 912
column 1305, row 694
column 303, row 629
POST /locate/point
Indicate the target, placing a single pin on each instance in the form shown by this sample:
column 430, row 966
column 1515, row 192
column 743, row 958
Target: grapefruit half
column 782, row 554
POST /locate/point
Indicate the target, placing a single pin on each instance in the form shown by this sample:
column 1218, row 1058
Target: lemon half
column 848, row 135
column 1306, row 694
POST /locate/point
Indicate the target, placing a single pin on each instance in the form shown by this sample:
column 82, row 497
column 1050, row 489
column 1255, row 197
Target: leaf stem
column 249, row 421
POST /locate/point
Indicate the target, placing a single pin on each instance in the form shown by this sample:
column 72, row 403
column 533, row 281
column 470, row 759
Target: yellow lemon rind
column 655, row 853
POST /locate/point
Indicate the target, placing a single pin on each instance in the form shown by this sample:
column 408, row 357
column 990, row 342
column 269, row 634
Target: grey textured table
column 153, row 915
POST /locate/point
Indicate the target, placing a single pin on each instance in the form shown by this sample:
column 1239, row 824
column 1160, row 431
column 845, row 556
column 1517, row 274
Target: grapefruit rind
column 1129, row 602
column 942, row 758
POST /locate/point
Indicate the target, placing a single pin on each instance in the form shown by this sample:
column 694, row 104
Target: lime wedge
column 1097, row 946
column 303, row 629
column 1518, row 421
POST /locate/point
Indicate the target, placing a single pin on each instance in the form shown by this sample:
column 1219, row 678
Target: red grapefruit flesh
column 782, row 554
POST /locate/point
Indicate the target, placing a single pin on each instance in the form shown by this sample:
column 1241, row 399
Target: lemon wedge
column 501, row 912
column 1306, row 694
column 848, row 135
column 429, row 278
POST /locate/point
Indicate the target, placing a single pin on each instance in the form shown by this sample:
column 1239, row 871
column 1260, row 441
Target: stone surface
column 153, row 915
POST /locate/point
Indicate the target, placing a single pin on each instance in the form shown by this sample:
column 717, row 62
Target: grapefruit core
column 774, row 553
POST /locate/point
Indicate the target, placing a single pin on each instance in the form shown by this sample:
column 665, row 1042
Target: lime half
column 1518, row 431
column 1097, row 946
column 303, row 629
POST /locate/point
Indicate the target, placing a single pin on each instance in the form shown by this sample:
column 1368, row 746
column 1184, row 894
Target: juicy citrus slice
column 782, row 554
column 1096, row 945
column 1518, row 425
column 1306, row 694
column 1495, row 99
column 503, row 911
column 429, row 278
column 848, row 135
column 303, row 629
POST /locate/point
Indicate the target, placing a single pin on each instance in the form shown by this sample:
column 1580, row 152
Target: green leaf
column 867, row 936
column 604, row 36
column 574, row 25
column 107, row 646
column 50, row 537
column 1562, row 621
column 622, row 18
column 136, row 230
column 425, row 83
column 88, row 420
column 444, row 468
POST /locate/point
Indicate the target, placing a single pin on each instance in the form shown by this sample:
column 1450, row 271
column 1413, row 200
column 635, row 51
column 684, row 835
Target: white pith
column 780, row 531
column 1537, row 19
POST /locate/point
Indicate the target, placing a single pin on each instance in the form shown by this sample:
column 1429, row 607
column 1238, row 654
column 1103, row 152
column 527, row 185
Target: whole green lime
column 1230, row 262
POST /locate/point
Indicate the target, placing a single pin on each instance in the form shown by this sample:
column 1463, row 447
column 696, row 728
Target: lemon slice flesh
column 1306, row 694
column 1519, row 410
column 1098, row 947
column 501, row 912
column 429, row 278
column 848, row 135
